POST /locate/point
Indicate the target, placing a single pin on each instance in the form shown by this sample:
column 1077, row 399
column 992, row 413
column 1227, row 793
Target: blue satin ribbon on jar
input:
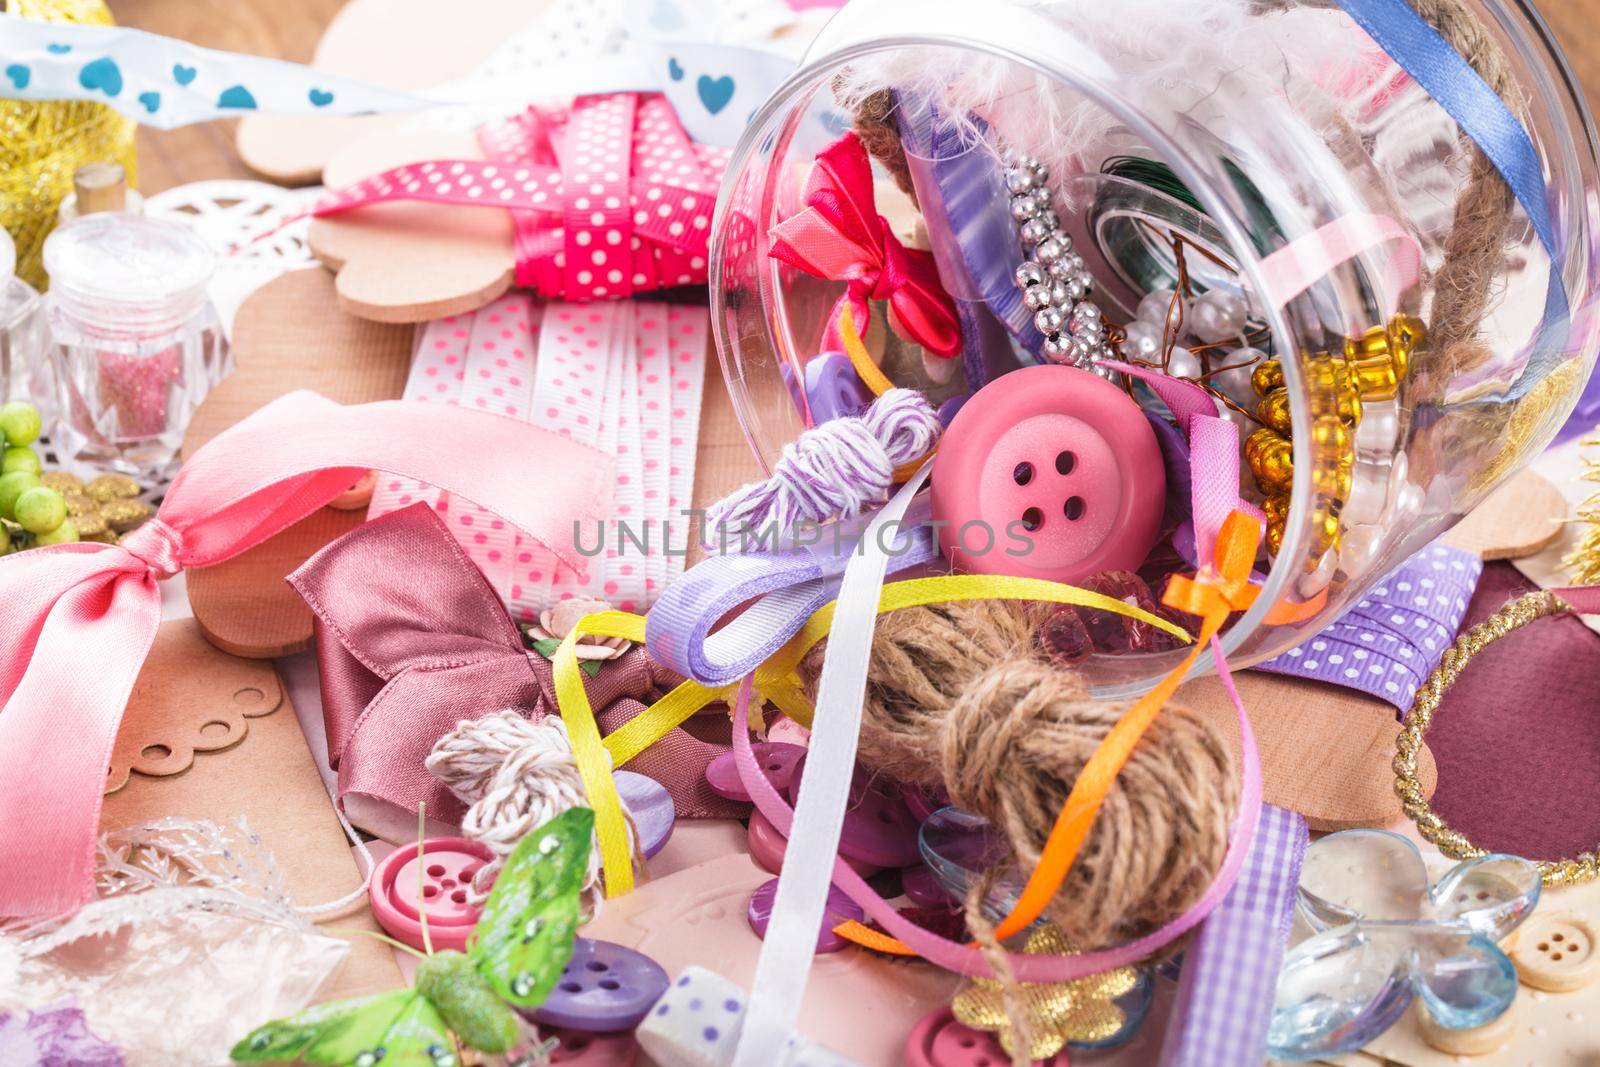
column 1480, row 113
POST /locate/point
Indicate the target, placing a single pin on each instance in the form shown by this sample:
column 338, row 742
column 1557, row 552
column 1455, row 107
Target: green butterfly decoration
column 522, row 941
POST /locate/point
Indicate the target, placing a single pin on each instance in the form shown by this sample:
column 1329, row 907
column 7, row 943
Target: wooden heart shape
column 406, row 261
column 290, row 334
column 398, row 44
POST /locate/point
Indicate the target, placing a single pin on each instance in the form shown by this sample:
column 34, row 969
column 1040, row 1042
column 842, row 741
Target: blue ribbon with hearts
column 165, row 83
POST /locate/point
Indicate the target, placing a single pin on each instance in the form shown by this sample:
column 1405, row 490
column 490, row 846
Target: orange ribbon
column 1217, row 591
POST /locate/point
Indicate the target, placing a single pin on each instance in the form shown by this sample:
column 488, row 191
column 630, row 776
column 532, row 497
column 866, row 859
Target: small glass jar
column 1400, row 380
column 22, row 326
column 135, row 342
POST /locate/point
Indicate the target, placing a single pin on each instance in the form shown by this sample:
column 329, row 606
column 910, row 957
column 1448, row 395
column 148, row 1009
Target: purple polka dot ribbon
column 1389, row 643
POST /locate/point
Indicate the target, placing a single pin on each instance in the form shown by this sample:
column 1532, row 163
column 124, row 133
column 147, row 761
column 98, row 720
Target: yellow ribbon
column 775, row 681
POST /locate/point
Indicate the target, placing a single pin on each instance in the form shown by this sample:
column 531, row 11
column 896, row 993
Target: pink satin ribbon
column 839, row 235
column 79, row 619
column 1299, row 265
column 964, row 959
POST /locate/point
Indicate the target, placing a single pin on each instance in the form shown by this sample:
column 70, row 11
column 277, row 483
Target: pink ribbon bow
column 839, row 235
column 412, row 639
column 78, row 619
column 610, row 196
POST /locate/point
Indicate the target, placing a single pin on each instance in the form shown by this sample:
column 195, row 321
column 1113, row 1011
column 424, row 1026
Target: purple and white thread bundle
column 835, row 470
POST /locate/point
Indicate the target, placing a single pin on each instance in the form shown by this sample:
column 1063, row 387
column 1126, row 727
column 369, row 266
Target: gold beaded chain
column 1515, row 615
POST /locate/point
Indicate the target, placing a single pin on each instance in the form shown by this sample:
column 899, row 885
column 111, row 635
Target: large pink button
column 1048, row 472
column 403, row 889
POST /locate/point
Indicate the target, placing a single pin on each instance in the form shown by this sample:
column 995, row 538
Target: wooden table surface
column 289, row 29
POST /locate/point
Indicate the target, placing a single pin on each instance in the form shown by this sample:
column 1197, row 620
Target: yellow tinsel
column 1583, row 562
column 41, row 144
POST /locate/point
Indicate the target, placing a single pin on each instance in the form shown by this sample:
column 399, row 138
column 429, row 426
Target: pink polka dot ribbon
column 609, row 196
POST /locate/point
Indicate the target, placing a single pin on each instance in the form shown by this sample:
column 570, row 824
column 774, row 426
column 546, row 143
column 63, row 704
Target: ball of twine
column 43, row 143
column 959, row 697
column 515, row 775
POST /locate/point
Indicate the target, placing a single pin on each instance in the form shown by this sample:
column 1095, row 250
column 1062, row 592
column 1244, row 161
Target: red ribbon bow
column 840, row 235
column 79, row 619
column 412, row 639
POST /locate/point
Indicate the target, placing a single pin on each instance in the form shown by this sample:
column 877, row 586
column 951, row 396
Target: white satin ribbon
column 797, row 910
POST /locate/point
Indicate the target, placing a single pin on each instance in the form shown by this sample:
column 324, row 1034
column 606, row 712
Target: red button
column 939, row 1041
column 438, row 885
column 1049, row 472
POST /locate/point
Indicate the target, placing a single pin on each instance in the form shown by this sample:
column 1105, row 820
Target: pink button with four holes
column 438, row 884
column 1048, row 472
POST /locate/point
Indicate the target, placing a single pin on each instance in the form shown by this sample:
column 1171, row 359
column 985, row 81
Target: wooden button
column 1470, row 1042
column 1557, row 952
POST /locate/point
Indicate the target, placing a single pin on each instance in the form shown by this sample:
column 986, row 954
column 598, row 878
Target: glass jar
column 1186, row 144
column 22, row 326
column 135, row 342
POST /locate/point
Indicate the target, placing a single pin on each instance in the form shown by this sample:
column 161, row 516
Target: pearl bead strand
column 1054, row 282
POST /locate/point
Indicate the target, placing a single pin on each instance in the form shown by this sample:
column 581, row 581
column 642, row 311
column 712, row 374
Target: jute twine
column 958, row 696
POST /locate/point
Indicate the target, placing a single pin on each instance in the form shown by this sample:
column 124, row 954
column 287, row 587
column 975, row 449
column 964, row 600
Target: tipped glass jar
column 1269, row 204
column 135, row 342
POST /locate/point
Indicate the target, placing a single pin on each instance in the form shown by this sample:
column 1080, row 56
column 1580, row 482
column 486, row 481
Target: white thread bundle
column 516, row 775
column 836, row 469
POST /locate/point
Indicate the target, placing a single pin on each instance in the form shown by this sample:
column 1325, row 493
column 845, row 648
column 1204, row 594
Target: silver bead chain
column 1054, row 282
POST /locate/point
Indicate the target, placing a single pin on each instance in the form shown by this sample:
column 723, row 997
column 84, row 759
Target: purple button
column 878, row 827
column 921, row 887
column 923, row 802
column 839, row 908
column 776, row 759
column 603, row 989
column 833, row 388
column 767, row 847
column 651, row 806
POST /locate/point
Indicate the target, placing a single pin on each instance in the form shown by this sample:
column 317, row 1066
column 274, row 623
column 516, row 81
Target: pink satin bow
column 412, row 639
column 840, row 235
column 79, row 619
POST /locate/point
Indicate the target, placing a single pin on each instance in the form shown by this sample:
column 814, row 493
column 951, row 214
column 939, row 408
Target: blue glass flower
column 1385, row 936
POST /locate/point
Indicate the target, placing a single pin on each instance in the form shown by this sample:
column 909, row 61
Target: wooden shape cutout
column 1518, row 519
column 189, row 698
column 270, row 781
column 398, row 44
column 406, row 261
column 290, row 334
column 1325, row 751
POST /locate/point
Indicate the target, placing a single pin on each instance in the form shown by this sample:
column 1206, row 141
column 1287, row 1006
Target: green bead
column 20, row 423
column 40, row 510
column 21, row 459
column 12, row 486
column 65, row 534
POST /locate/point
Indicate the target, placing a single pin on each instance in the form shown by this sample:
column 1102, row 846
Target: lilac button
column 776, row 759
column 878, row 827
column 603, row 989
column 651, row 806
column 839, row 908
column 833, row 388
column 921, row 887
